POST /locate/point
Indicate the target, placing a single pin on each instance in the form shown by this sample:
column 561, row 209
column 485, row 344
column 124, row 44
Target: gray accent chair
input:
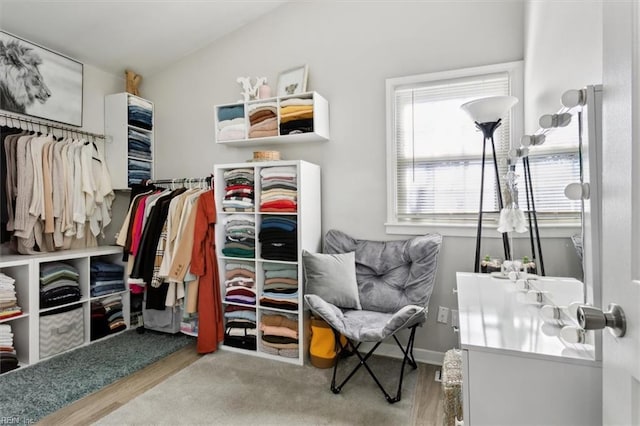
column 395, row 281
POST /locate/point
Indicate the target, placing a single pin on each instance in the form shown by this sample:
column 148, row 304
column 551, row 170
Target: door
column 621, row 209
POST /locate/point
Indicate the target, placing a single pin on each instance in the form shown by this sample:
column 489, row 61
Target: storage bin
column 452, row 387
column 61, row 331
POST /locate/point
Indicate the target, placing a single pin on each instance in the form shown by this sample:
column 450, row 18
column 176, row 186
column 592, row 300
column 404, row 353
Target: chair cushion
column 366, row 326
column 390, row 274
column 332, row 277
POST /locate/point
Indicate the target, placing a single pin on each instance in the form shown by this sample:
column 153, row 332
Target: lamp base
column 489, row 127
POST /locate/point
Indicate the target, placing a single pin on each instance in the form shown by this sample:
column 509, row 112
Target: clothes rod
column 179, row 181
column 10, row 120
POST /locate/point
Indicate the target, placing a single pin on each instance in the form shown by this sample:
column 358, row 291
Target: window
column 434, row 149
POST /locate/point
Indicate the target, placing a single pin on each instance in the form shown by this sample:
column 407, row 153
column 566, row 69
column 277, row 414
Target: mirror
column 577, row 126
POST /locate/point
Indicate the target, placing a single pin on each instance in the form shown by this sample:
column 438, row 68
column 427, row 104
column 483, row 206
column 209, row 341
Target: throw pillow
column 332, row 277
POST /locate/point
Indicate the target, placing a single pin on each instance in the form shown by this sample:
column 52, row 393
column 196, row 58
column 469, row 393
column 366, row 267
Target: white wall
column 96, row 85
column 563, row 50
column 351, row 48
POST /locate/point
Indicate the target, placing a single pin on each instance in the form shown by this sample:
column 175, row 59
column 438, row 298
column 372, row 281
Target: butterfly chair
column 368, row 291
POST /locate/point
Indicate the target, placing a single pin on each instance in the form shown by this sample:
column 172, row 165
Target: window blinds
column 438, row 153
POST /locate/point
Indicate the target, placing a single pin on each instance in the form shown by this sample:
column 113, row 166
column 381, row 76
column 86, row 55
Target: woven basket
column 266, row 155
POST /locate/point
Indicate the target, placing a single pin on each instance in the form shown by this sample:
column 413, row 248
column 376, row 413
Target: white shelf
column 309, row 236
column 116, row 128
column 320, row 131
column 26, row 271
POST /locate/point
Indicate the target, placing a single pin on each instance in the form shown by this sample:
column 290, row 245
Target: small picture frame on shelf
column 293, row 81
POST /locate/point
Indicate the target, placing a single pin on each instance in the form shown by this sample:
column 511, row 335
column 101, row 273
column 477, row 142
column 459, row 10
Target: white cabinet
column 129, row 147
column 516, row 368
column 289, row 119
column 259, row 246
column 26, row 327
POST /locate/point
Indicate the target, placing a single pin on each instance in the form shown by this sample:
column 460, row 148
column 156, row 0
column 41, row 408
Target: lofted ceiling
column 115, row 35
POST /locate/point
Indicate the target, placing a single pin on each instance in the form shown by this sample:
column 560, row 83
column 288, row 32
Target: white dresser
column 516, row 368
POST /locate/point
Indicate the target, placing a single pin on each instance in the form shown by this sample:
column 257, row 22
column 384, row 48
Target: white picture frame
column 293, row 81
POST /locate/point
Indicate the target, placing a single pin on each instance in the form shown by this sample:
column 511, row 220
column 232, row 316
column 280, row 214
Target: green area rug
column 34, row 392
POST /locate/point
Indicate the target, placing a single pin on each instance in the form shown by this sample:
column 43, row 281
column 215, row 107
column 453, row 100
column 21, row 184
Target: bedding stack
column 296, row 116
column 8, row 356
column 8, row 298
column 240, row 239
column 279, row 335
column 59, row 284
column 239, row 191
column 231, row 123
column 263, row 120
column 279, row 189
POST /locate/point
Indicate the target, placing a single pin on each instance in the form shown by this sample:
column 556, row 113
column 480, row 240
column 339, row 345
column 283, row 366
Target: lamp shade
column 489, row 109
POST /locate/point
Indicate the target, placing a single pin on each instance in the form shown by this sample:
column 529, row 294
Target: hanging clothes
column 56, row 194
column 205, row 265
column 168, row 239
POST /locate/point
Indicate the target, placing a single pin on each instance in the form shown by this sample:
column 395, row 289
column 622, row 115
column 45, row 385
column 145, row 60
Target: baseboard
column 391, row 350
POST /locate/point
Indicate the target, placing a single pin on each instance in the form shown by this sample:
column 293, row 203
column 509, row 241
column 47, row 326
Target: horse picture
column 38, row 82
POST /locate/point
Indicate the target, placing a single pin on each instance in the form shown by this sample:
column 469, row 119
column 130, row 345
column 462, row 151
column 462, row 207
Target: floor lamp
column 486, row 114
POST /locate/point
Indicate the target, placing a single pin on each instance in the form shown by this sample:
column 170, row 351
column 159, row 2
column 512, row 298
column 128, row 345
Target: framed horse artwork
column 38, row 82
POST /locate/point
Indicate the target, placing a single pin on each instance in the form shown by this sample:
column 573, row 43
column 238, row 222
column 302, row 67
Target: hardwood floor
column 427, row 404
column 428, row 409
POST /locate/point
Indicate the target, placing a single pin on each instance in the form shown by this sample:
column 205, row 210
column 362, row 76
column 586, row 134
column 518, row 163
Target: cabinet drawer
column 61, row 331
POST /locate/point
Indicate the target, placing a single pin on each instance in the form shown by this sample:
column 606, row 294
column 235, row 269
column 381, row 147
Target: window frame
column 459, row 224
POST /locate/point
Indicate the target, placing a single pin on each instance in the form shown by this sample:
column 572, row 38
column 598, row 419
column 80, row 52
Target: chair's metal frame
column 408, row 357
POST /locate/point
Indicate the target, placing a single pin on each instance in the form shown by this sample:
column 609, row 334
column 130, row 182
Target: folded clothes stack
column 239, row 190
column 8, row 356
column 105, row 278
column 240, row 238
column 279, row 335
column 278, row 238
column 240, row 327
column 279, row 189
column 231, row 123
column 8, row 298
column 296, row 116
column 263, row 120
column 140, row 113
column 240, row 283
column 139, row 144
column 139, row 171
column 59, row 284
column 280, row 289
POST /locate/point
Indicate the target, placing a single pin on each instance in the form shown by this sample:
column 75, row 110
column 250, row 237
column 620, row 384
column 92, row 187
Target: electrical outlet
column 454, row 318
column 443, row 315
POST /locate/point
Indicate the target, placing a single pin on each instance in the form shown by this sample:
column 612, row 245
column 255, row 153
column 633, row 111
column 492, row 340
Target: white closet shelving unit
column 309, row 234
column 116, row 128
column 320, row 131
column 26, row 272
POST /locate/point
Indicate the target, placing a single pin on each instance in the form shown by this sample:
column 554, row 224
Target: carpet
column 227, row 388
column 41, row 389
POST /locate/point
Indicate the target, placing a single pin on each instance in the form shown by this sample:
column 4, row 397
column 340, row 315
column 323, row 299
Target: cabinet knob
column 592, row 318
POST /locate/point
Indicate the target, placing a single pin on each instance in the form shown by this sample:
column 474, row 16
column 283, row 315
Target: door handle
column 592, row 318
